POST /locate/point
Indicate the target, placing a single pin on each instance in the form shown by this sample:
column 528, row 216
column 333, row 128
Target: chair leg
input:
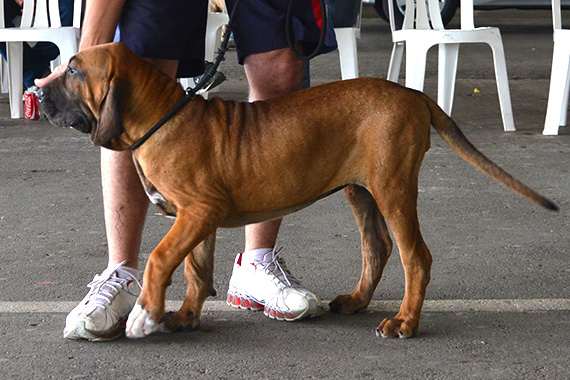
column 564, row 111
column 213, row 37
column 346, row 39
column 213, row 33
column 212, row 41
column 416, row 55
column 4, row 73
column 447, row 71
column 395, row 62
column 558, row 87
column 502, row 83
column 15, row 53
column 185, row 83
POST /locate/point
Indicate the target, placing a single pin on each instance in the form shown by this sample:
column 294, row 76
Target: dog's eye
column 70, row 70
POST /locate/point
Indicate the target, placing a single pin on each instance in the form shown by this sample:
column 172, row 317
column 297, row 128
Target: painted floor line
column 458, row 305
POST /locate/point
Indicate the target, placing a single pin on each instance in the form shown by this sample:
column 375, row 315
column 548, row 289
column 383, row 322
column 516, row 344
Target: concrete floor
column 499, row 301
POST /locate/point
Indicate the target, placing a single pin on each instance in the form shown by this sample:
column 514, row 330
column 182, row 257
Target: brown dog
column 367, row 136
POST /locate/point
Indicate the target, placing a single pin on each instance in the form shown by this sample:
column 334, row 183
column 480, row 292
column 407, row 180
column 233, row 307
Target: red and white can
column 32, row 105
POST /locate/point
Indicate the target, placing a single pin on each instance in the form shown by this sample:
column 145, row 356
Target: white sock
column 132, row 271
column 127, row 272
column 256, row 255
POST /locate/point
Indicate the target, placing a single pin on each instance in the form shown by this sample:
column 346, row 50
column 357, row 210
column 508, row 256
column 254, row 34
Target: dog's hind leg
column 199, row 275
column 376, row 248
column 399, row 208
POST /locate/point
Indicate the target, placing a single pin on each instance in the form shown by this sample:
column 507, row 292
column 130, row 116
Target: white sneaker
column 100, row 314
column 267, row 284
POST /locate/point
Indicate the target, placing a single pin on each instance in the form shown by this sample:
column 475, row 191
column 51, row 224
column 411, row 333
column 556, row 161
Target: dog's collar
column 177, row 107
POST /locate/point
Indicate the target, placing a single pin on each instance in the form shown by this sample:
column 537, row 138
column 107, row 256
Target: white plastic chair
column 560, row 76
column 214, row 24
column 216, row 20
column 37, row 25
column 346, row 40
column 422, row 29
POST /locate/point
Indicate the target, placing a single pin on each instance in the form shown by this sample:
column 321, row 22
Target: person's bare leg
column 125, row 204
column 124, row 199
column 273, row 73
column 269, row 286
column 114, row 292
column 283, row 78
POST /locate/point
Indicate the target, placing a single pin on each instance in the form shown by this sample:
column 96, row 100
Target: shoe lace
column 106, row 286
column 277, row 268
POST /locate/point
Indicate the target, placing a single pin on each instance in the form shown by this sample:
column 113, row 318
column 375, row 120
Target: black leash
column 291, row 37
column 209, row 74
column 191, row 93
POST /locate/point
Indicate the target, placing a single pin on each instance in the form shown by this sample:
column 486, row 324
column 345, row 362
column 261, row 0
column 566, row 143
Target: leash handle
column 289, row 32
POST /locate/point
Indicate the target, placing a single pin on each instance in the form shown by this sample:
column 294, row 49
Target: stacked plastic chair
column 422, row 29
column 560, row 77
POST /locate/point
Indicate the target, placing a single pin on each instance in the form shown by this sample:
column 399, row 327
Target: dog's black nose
column 40, row 94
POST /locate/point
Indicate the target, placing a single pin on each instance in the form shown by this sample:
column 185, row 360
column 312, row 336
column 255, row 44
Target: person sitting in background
column 38, row 55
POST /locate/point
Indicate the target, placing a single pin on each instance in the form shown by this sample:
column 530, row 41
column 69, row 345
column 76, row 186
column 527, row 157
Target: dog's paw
column 174, row 321
column 347, row 304
column 397, row 328
column 140, row 323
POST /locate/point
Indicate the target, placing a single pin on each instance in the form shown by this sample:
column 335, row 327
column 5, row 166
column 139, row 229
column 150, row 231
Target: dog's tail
column 451, row 134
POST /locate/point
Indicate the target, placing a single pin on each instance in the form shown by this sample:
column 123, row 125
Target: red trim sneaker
column 268, row 285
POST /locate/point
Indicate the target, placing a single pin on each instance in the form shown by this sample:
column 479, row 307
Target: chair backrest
column 426, row 14
column 418, row 15
column 45, row 14
column 556, row 15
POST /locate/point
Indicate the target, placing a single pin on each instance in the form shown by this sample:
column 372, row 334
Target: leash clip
column 190, row 92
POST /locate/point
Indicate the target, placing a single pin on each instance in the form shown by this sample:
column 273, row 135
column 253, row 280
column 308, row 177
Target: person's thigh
column 171, row 30
column 272, row 73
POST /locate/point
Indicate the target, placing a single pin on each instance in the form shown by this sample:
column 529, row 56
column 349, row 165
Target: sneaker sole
column 80, row 332
column 243, row 303
column 313, row 310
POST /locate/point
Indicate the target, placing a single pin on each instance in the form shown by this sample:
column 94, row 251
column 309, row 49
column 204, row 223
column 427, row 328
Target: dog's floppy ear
column 109, row 124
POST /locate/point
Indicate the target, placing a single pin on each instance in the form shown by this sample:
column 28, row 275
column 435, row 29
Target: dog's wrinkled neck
column 150, row 96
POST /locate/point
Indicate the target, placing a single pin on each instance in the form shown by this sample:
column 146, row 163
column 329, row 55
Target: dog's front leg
column 188, row 230
column 199, row 274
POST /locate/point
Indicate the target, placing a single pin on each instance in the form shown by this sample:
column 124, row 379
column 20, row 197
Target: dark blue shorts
column 167, row 29
column 260, row 26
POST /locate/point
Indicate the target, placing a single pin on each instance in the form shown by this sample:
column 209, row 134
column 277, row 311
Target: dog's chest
column 154, row 195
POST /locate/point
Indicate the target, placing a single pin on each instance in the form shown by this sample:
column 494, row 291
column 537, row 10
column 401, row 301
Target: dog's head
column 89, row 95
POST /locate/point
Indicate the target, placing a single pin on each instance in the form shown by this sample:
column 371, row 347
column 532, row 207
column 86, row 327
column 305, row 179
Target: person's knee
column 274, row 73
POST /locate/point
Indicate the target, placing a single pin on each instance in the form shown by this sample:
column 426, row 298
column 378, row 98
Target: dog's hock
column 348, row 304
